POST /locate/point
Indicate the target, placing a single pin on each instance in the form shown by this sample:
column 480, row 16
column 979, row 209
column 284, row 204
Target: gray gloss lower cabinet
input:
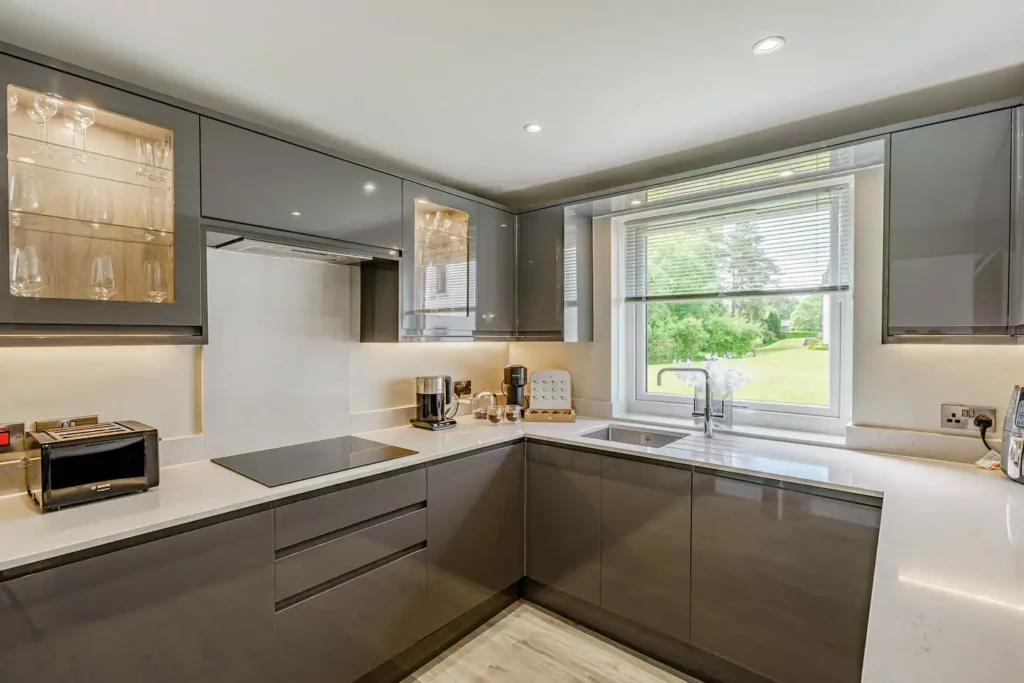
column 345, row 632
column 474, row 530
column 645, row 545
column 781, row 580
column 197, row 606
column 563, row 520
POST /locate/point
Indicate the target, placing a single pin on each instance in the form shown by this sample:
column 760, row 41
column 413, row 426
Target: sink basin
column 637, row 437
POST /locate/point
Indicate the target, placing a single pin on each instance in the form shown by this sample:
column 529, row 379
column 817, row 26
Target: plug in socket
column 961, row 417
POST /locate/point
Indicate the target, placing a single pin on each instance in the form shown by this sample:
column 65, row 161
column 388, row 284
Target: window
column 746, row 274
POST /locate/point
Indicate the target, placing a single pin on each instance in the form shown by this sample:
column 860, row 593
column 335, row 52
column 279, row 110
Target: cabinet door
column 194, row 607
column 949, row 226
column 102, row 209
column 539, row 276
column 563, row 520
column 474, row 530
column 259, row 180
column 439, row 262
column 350, row 629
column 781, row 579
column 645, row 545
column 496, row 277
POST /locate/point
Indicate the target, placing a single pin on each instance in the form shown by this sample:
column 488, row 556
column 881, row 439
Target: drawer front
column 314, row 517
column 345, row 632
column 313, row 566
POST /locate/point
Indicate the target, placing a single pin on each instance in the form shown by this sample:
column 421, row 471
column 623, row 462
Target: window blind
column 792, row 243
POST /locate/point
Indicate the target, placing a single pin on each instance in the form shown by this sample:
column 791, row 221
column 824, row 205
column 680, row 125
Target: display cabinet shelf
column 72, row 227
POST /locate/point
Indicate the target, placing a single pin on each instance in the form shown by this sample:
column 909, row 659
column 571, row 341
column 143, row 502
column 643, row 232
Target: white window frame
column 823, row 419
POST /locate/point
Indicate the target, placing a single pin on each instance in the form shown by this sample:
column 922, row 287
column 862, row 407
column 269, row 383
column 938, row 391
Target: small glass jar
column 495, row 414
column 513, row 413
column 481, row 402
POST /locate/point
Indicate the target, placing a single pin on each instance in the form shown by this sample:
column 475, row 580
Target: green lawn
column 784, row 372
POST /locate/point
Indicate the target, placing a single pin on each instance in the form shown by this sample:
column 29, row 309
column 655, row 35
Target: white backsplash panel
column 276, row 370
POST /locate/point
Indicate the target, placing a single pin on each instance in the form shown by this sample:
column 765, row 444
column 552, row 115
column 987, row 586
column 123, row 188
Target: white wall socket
column 956, row 416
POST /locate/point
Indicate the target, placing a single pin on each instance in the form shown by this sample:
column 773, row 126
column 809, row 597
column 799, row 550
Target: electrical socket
column 956, row 416
column 463, row 387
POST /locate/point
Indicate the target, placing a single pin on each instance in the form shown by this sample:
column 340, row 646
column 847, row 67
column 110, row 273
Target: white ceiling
column 443, row 87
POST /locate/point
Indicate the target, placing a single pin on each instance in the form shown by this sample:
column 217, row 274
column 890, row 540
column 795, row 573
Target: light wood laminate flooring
column 529, row 645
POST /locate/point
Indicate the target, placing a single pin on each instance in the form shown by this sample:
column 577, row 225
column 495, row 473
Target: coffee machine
column 515, row 385
column 433, row 396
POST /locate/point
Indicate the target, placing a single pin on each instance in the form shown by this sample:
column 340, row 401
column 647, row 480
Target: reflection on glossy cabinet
column 781, row 579
column 645, row 544
column 101, row 208
column 563, row 520
column 474, row 530
column 192, row 607
column 949, row 226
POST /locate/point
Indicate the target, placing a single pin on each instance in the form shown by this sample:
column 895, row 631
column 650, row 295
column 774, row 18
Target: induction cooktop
column 279, row 466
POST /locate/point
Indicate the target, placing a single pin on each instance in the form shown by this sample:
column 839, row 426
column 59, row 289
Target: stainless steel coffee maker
column 1013, row 437
column 434, row 394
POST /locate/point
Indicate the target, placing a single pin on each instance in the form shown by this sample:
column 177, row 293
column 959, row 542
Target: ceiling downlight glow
column 769, row 44
column 369, row 187
column 532, row 128
column 296, row 213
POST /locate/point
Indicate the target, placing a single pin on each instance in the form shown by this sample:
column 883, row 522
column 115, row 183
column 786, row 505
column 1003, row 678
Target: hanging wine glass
column 46, row 108
column 84, row 116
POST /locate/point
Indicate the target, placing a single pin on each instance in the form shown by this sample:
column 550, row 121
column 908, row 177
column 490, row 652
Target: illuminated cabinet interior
column 443, row 276
column 91, row 202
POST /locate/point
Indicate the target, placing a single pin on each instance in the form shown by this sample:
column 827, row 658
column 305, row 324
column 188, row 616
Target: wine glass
column 101, row 279
column 46, row 108
column 156, row 288
column 25, row 193
column 94, row 204
column 12, row 103
column 26, row 275
column 83, row 117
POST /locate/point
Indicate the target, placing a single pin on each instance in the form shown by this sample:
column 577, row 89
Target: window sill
column 787, row 435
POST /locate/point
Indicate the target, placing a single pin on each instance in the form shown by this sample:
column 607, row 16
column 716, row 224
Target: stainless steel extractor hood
column 248, row 245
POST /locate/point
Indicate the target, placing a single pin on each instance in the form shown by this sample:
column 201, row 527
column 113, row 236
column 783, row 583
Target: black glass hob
column 279, row 466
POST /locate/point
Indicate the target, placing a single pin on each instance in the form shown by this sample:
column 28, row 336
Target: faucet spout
column 706, row 413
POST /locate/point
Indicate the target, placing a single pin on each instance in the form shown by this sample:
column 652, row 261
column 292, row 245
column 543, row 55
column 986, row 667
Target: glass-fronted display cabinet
column 439, row 263
column 101, row 211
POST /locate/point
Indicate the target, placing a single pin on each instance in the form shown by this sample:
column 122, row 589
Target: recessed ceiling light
column 296, row 213
column 788, row 172
column 369, row 187
column 769, row 44
column 636, row 202
column 532, row 128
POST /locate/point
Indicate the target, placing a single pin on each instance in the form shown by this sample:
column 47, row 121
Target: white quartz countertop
column 948, row 599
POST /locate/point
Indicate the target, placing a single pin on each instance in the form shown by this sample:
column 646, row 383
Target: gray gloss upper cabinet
column 259, row 180
column 495, row 273
column 563, row 520
column 948, row 230
column 539, row 273
column 198, row 606
column 554, row 275
column 474, row 530
column 781, row 580
column 645, row 545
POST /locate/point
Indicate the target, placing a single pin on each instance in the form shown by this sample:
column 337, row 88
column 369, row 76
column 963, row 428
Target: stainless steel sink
column 637, row 437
